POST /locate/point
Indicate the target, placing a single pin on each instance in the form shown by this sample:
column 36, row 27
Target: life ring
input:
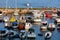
column 48, row 35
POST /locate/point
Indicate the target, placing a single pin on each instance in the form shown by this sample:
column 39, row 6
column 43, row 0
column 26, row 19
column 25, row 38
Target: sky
column 33, row 3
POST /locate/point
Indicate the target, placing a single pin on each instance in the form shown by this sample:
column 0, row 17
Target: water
column 33, row 3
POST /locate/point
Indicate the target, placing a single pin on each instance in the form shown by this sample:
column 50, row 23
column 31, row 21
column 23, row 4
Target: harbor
column 28, row 20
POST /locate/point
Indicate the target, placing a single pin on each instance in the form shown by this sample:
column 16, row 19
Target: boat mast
column 16, row 4
column 6, row 4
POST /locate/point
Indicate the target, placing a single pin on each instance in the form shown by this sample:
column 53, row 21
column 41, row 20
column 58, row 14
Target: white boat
column 51, row 27
column 6, row 18
column 43, row 28
column 58, row 19
column 48, row 35
column 38, row 14
column 37, row 20
column 54, row 15
column 31, row 35
column 28, row 26
column 16, row 13
column 44, row 22
column 22, row 19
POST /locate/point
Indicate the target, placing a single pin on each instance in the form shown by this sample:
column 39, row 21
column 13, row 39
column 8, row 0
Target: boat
column 51, row 27
column 37, row 20
column 16, row 12
column 43, row 28
column 3, row 33
column 21, row 26
column 44, row 22
column 1, row 20
column 0, row 13
column 11, row 34
column 58, row 19
column 58, row 13
column 48, row 15
column 58, row 26
column 29, row 19
column 28, row 26
column 22, row 34
column 31, row 34
column 48, row 35
column 12, row 19
column 54, row 15
column 6, row 18
column 22, row 19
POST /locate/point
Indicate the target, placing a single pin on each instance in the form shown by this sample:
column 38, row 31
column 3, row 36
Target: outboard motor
column 48, row 35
